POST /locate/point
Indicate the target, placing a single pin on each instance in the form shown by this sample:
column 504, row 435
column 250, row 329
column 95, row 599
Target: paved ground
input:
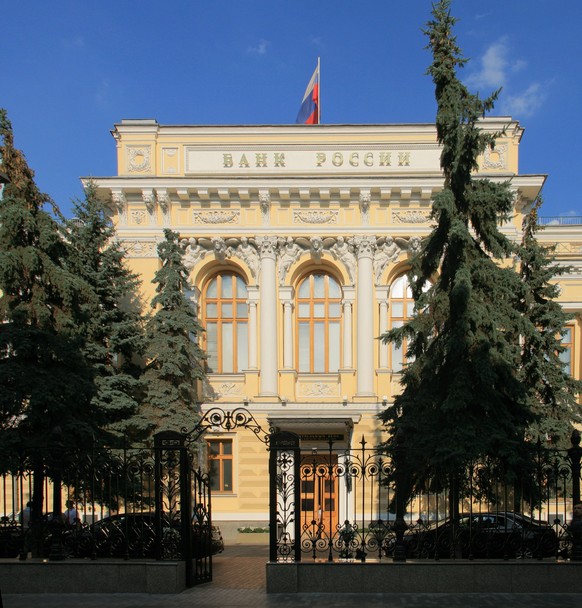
column 239, row 582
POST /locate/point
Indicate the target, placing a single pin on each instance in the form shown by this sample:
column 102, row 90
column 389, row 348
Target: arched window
column 318, row 324
column 401, row 308
column 226, row 324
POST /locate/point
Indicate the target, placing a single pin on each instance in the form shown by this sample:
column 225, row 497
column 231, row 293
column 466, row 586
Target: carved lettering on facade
column 337, row 158
column 216, row 217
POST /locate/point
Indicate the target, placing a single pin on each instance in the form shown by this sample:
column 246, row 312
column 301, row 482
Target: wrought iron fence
column 133, row 502
column 346, row 501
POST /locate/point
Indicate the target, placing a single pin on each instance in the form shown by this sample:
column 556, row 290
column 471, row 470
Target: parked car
column 133, row 535
column 479, row 535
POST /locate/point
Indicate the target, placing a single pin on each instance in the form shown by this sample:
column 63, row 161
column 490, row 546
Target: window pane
column 318, row 286
column 211, row 347
column 212, row 310
column 214, row 448
column 214, row 474
column 304, row 310
column 227, row 472
column 241, row 288
column 335, row 309
column 397, row 290
column 304, row 348
column 226, row 447
column 227, row 286
column 397, row 309
column 211, row 291
column 242, row 347
column 566, row 334
column 334, row 289
column 304, row 289
column 318, row 347
column 242, row 310
column 410, row 309
column 227, row 310
column 396, row 358
column 227, row 352
column 319, row 309
column 334, row 347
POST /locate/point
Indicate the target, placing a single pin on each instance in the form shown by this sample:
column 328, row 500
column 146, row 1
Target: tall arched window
column 318, row 324
column 401, row 309
column 226, row 324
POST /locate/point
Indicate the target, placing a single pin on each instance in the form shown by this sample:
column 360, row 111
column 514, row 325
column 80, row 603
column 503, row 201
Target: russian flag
column 309, row 111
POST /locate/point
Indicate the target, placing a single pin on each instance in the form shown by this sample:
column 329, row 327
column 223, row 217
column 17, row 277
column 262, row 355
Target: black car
column 133, row 535
column 499, row 535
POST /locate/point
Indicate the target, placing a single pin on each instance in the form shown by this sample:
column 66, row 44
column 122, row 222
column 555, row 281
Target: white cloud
column 76, row 42
column 492, row 67
column 527, row 103
column 260, row 49
column 495, row 70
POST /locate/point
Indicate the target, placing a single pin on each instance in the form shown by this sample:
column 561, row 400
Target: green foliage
column 175, row 359
column 462, row 397
column 552, row 390
column 46, row 384
column 114, row 337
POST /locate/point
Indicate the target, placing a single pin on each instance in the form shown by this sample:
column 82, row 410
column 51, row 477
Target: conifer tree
column 175, row 361
column 114, row 338
column 552, row 390
column 461, row 396
column 46, row 386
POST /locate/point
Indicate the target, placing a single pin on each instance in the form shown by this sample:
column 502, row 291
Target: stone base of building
column 426, row 577
column 85, row 576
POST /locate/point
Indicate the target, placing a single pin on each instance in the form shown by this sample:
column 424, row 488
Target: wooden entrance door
column 319, row 493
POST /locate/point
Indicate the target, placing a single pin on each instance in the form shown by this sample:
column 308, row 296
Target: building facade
column 298, row 239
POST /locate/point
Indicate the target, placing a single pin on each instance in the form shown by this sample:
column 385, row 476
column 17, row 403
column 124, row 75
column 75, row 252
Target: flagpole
column 319, row 91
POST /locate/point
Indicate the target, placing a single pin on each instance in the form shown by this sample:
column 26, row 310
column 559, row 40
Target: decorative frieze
column 318, row 389
column 217, row 217
column 315, row 217
column 410, row 216
column 140, row 249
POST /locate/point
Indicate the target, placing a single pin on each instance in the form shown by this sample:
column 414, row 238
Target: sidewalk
column 239, row 582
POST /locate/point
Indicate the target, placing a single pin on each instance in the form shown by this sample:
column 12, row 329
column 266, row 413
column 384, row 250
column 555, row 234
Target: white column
column 252, row 301
column 286, row 296
column 268, row 321
column 382, row 297
column 365, row 325
column 348, row 303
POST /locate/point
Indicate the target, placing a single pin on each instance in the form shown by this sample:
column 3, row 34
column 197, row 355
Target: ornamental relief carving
column 138, row 217
column 315, row 217
column 410, row 216
column 138, row 159
column 216, row 217
column 495, row 158
column 226, row 389
column 318, row 389
column 140, row 249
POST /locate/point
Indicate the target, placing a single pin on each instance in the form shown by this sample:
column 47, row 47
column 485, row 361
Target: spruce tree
column 175, row 361
column 46, row 385
column 462, row 399
column 114, row 337
column 552, row 390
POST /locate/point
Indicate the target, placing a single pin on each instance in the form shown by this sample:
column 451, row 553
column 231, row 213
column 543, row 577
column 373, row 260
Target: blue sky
column 73, row 68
